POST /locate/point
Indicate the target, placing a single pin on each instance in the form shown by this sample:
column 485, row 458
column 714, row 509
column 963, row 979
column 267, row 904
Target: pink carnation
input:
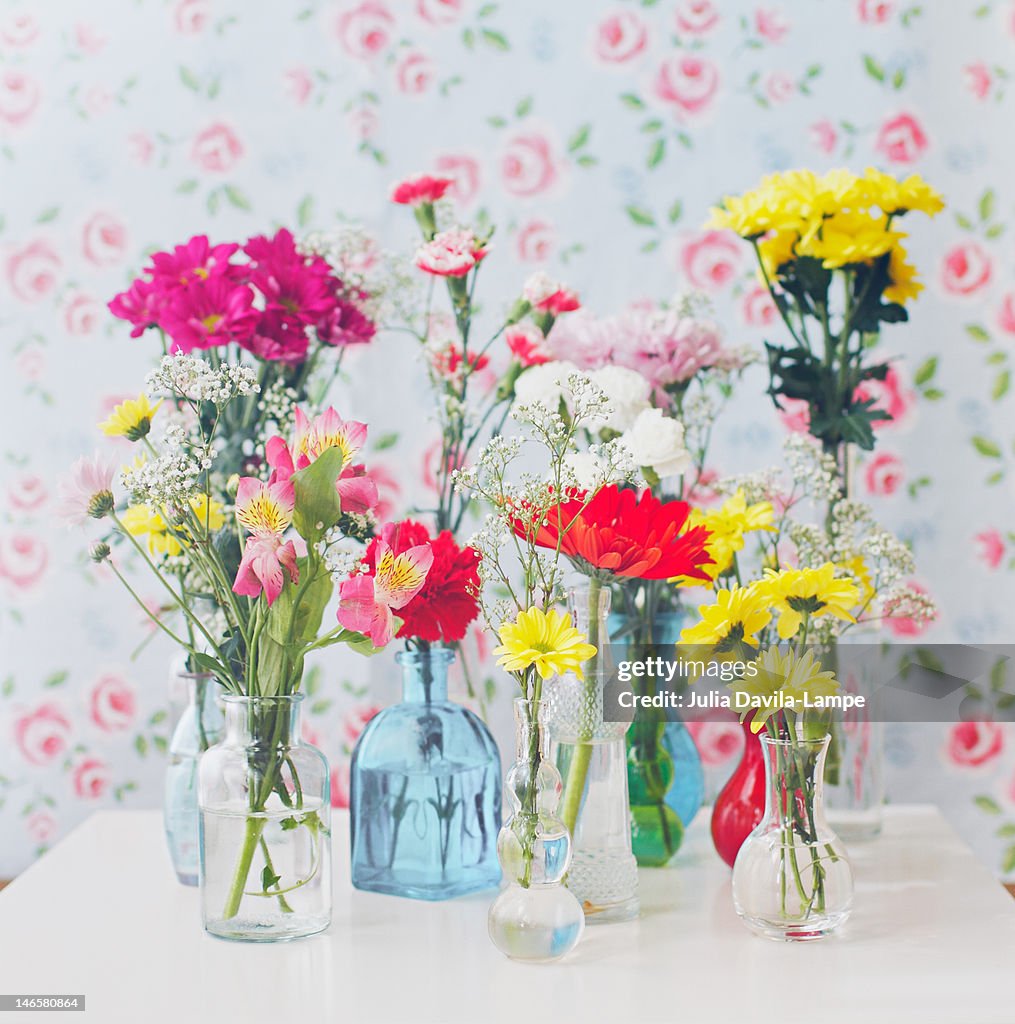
column 420, row 188
column 450, row 254
column 526, row 344
column 549, row 296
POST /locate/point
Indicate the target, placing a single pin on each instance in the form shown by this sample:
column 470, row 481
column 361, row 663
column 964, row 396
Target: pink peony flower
column 365, row 30
column 526, row 343
column 902, row 139
column 24, row 559
column 1006, row 314
column 90, row 778
column 191, row 16
column 450, row 253
column 884, row 474
column 216, row 149
column 757, row 307
column 620, row 37
column 978, row 79
column 711, row 260
column 770, row 24
column 696, row 17
column 33, row 270
column 967, row 269
column 104, row 240
column 209, row 313
column 528, row 166
column 80, row 314
column 414, row 73
column 548, row 296
column 974, row 744
column 440, row 12
column 824, row 136
column 419, row 189
column 112, row 704
column 535, row 241
column 463, row 170
column 20, row 95
column 27, row 493
column 368, row 603
column 688, row 82
column 88, row 490
column 43, row 734
column 991, row 548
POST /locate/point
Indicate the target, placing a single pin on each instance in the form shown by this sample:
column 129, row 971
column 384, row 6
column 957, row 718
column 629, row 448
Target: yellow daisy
column 544, row 640
column 726, row 527
column 796, row 593
column 732, row 623
column 131, row 419
column 902, row 274
column 796, row 676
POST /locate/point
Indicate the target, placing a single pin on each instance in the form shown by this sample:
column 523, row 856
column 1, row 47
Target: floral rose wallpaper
column 597, row 135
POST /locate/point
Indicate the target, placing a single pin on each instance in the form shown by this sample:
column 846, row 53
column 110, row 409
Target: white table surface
column 931, row 939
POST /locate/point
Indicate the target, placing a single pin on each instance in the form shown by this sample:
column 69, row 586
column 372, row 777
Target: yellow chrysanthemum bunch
column 839, row 218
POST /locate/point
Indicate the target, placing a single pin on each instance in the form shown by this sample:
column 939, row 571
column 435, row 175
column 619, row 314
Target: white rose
column 545, row 384
column 656, row 442
column 628, row 394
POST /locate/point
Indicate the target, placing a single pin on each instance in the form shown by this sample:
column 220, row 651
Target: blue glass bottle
column 200, row 726
column 425, row 786
column 674, row 769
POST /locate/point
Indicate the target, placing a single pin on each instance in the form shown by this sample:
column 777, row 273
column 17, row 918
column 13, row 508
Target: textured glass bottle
column 792, row 879
column 424, row 802
column 536, row 918
column 591, row 756
column 198, row 727
column 665, row 778
column 265, row 826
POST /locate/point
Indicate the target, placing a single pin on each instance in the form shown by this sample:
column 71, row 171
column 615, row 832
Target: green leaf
column 632, row 100
column 1008, row 860
column 469, row 38
column 305, row 211
column 933, row 394
column 269, row 879
column 656, row 153
column 236, row 197
column 158, row 717
column 160, row 743
column 386, row 441
column 987, row 204
column 899, row 79
column 189, row 79
column 57, row 678
column 925, row 371
column 288, row 824
column 524, row 107
column 320, row 707
column 292, row 625
column 977, row 333
column 1002, row 383
column 963, row 221
column 986, row 447
column 994, row 231
column 495, row 39
column 318, row 505
column 189, row 185
column 987, row 803
column 47, row 215
column 1006, row 831
column 873, row 68
column 141, row 745
column 995, row 478
column 580, row 138
column 639, row 215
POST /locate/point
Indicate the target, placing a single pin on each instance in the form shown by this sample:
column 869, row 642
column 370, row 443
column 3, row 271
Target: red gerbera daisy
column 619, row 534
column 443, row 610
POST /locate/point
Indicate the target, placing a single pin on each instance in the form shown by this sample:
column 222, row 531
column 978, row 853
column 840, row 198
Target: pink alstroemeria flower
column 368, row 603
column 266, row 510
column 312, row 437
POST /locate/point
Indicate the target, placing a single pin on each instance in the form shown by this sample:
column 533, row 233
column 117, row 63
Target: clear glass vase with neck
column 425, row 791
column 264, row 797
column 591, row 756
column 792, row 878
column 535, row 918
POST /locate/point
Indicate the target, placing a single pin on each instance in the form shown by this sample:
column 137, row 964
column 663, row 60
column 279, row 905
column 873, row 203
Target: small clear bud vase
column 792, row 879
column 265, row 837
column 536, row 918
column 424, row 796
column 591, row 756
column 198, row 727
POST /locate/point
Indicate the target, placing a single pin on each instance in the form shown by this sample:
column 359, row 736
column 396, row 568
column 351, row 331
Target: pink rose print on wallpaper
column 104, row 240
column 696, row 17
column 711, row 260
column 112, row 704
column 365, row 31
column 620, row 37
column 90, row 778
column 902, row 139
column 990, row 548
column 216, row 149
column 967, row 269
column 974, row 744
column 687, row 83
column 33, row 271
column 20, row 96
column 529, row 166
column 43, row 734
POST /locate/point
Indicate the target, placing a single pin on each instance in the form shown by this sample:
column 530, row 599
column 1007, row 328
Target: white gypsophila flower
column 812, row 468
column 170, row 481
column 762, row 485
column 656, row 442
column 544, row 384
column 628, row 394
column 191, row 377
column 584, row 470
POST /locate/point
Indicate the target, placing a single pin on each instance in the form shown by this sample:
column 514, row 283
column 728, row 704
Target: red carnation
column 620, row 534
column 420, row 188
column 443, row 610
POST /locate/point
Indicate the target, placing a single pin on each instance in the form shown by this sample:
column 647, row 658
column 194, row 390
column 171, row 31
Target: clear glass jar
column 425, row 789
column 265, row 834
column 591, row 756
column 535, row 918
column 792, row 878
column 198, row 727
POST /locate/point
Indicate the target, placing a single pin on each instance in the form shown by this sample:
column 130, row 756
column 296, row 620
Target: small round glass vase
column 265, row 834
column 792, row 878
column 198, row 727
column 535, row 918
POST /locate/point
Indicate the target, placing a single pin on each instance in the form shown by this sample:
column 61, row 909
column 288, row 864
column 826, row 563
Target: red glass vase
column 741, row 804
